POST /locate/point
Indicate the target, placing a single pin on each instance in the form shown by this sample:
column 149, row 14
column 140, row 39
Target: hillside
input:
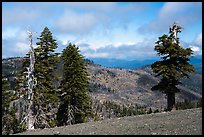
column 122, row 86
column 180, row 122
column 117, row 92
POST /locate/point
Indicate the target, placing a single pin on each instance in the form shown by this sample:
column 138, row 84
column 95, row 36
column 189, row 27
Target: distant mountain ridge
column 135, row 64
column 121, row 63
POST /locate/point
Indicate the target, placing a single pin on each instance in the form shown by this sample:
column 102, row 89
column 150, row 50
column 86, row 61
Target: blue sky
column 126, row 30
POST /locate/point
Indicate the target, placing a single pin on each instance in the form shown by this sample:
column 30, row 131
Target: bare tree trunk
column 31, row 120
column 31, row 84
column 170, row 101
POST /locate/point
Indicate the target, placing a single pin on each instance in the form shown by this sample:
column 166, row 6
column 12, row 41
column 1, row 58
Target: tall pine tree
column 45, row 98
column 76, row 103
column 173, row 66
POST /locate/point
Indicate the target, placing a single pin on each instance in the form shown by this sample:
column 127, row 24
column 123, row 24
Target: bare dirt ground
column 178, row 122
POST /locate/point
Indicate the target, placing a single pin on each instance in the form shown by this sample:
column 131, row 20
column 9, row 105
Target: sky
column 119, row 30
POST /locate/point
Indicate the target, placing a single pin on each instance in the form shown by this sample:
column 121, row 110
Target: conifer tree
column 6, row 96
column 45, row 98
column 173, row 66
column 76, row 103
column 9, row 122
column 21, row 82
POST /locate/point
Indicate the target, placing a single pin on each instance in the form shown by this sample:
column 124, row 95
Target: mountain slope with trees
column 132, row 86
column 122, row 92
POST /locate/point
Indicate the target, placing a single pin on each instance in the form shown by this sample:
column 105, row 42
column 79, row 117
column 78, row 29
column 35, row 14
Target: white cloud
column 140, row 50
column 108, row 28
column 19, row 15
column 97, row 55
column 105, row 7
column 15, row 42
column 97, row 6
column 184, row 13
column 116, row 36
column 75, row 22
column 198, row 40
column 9, row 33
column 196, row 45
column 194, row 48
column 15, row 34
column 65, row 39
column 12, row 48
column 86, row 17
column 174, row 8
column 21, row 47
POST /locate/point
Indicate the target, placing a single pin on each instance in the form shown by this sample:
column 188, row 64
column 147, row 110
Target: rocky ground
column 178, row 122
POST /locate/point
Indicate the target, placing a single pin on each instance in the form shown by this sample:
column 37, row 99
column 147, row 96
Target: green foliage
column 45, row 66
column 46, row 61
column 52, row 123
column 10, row 123
column 97, row 87
column 7, row 69
column 187, row 104
column 5, row 95
column 45, row 97
column 21, row 81
column 96, row 117
column 7, row 123
column 10, row 67
column 173, row 66
column 45, row 93
column 112, row 109
column 22, row 127
column 88, row 61
column 75, row 100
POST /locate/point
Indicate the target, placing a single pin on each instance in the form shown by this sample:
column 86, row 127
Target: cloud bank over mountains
column 101, row 30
